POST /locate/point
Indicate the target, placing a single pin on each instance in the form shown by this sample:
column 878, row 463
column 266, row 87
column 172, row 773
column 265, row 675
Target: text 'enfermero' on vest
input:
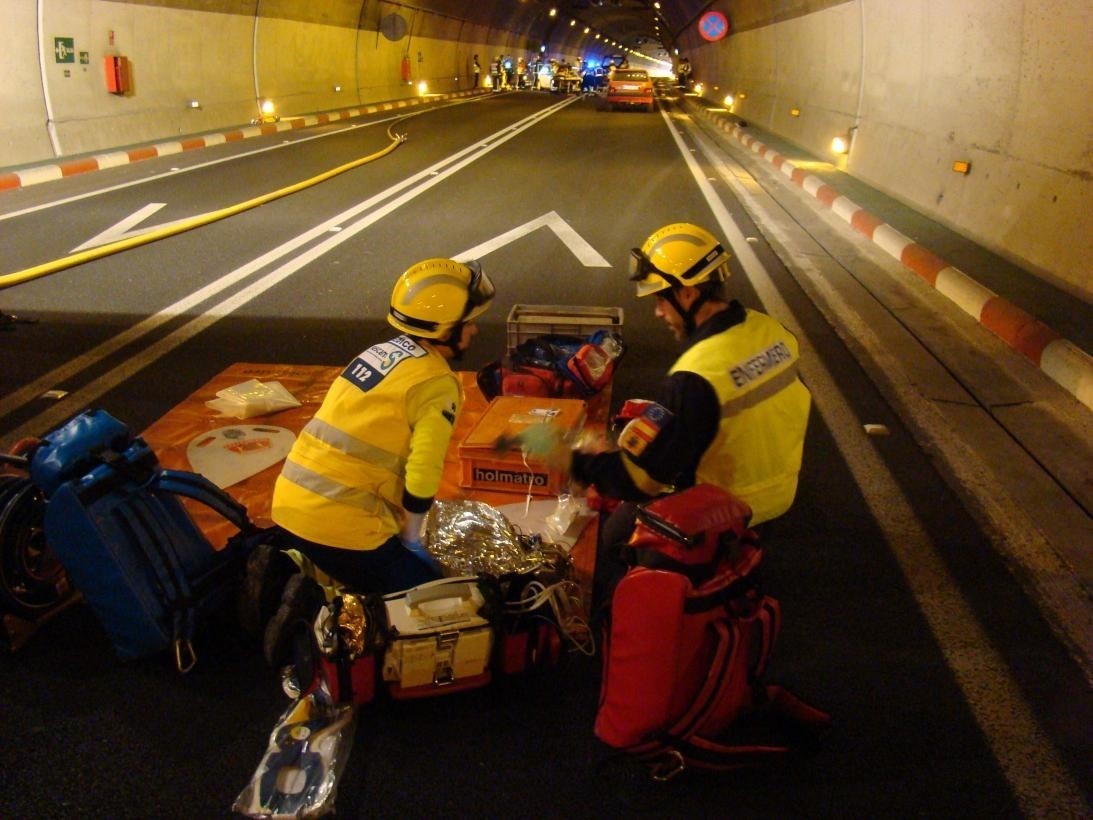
column 754, row 368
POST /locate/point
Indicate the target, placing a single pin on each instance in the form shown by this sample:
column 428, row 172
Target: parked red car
column 630, row 86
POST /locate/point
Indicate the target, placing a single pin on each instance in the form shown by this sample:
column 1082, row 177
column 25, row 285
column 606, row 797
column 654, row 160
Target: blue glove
column 418, row 550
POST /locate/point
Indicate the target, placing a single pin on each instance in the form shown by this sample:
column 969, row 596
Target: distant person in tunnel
column 354, row 490
column 731, row 412
column 477, row 69
column 684, row 73
column 508, row 69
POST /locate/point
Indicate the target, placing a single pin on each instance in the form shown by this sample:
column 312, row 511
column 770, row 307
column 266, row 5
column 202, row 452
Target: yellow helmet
column 676, row 255
column 436, row 295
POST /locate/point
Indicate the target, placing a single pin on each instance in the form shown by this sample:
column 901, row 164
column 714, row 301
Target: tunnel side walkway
column 1049, row 327
column 72, row 166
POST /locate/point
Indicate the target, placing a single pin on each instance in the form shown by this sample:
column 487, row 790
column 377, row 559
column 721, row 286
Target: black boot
column 300, row 602
column 268, row 570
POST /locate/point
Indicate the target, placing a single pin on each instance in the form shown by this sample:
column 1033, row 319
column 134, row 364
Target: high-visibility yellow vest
column 342, row 482
column 760, row 439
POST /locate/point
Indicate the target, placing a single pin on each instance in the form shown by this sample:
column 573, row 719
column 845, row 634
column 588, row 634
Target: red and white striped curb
column 1060, row 359
column 23, row 177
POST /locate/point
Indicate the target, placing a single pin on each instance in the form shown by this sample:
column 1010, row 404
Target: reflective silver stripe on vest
column 332, row 436
column 333, row 490
column 761, row 393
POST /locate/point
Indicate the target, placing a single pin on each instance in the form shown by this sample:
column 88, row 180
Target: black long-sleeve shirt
column 673, row 456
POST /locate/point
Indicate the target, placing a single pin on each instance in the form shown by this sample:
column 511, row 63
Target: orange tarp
column 170, row 435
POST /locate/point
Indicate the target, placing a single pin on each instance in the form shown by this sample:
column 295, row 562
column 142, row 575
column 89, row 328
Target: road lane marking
column 88, row 394
column 1039, row 778
column 123, row 228
column 577, row 244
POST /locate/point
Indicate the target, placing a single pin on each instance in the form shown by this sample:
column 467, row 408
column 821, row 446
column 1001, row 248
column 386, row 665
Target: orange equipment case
column 482, row 467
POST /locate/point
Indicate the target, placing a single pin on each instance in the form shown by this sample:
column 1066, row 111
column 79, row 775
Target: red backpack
column 689, row 638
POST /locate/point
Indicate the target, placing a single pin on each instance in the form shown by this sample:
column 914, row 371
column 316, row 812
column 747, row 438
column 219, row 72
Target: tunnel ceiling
column 643, row 25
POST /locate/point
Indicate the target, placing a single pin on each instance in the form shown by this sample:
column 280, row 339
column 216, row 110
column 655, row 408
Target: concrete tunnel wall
column 998, row 83
column 224, row 54
column 921, row 84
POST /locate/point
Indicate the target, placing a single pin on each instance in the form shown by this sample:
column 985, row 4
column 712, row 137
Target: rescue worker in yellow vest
column 732, row 411
column 355, row 488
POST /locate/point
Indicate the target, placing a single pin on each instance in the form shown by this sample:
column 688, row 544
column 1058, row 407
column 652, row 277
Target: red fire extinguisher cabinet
column 117, row 74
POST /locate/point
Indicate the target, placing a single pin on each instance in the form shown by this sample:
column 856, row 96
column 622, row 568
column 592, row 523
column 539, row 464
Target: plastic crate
column 529, row 321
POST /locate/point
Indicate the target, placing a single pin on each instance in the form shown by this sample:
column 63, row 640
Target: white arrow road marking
column 585, row 253
column 123, row 229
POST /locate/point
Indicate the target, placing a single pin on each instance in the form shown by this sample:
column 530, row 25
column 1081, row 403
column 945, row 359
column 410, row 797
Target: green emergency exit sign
column 64, row 49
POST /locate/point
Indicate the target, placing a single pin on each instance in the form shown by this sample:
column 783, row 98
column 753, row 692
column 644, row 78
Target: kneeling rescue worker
column 355, row 488
column 731, row 412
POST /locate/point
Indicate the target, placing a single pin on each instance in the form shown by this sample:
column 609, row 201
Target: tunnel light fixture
column 554, row 12
column 193, row 103
column 962, row 166
column 729, row 101
column 699, row 88
column 795, row 112
column 337, row 88
column 267, row 112
column 572, row 23
column 422, row 88
column 587, row 29
column 841, row 143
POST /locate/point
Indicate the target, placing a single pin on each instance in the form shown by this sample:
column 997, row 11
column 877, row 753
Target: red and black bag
column 443, row 636
column 554, row 366
column 689, row 639
column 339, row 653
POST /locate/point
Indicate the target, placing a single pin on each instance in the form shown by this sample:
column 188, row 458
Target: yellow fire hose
column 18, row 277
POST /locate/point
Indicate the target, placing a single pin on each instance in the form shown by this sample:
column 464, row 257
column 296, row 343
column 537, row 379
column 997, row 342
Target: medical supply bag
column 114, row 519
column 689, row 638
column 444, row 636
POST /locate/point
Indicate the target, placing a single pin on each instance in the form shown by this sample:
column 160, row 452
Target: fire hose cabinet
column 117, row 74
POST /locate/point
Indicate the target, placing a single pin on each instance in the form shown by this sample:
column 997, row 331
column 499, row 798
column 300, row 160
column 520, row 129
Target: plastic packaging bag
column 307, row 752
column 565, row 513
column 252, row 398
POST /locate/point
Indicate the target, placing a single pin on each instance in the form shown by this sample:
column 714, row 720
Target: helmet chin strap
column 687, row 314
column 455, row 336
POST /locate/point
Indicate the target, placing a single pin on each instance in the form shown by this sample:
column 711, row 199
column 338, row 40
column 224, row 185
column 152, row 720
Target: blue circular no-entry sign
column 713, row 25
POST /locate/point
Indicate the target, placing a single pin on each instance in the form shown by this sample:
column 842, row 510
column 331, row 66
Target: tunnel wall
column 921, row 84
column 227, row 55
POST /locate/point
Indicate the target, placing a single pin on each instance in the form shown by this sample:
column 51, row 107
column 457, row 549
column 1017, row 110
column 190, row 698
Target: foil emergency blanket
column 471, row 537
